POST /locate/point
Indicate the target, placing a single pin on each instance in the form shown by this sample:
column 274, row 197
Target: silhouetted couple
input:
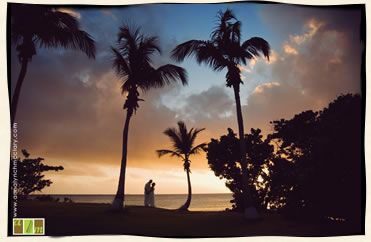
column 149, row 194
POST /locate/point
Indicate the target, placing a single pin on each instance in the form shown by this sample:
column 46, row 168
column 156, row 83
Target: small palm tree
column 132, row 62
column 40, row 26
column 182, row 141
column 225, row 50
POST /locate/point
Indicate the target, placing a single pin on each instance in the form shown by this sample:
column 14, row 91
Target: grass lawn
column 94, row 219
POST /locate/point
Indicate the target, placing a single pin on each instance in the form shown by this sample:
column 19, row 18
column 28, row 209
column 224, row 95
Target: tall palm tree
column 132, row 62
column 182, row 141
column 41, row 26
column 225, row 50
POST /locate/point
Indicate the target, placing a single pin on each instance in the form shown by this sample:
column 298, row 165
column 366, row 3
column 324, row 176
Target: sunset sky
column 70, row 109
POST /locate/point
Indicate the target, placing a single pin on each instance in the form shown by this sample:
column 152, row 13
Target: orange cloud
column 262, row 87
column 70, row 12
column 273, row 58
column 310, row 28
column 290, row 50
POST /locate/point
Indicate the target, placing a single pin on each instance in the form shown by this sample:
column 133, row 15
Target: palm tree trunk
column 17, row 91
column 250, row 210
column 118, row 202
column 188, row 202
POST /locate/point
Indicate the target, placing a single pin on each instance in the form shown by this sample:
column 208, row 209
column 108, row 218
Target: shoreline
column 137, row 194
column 200, row 202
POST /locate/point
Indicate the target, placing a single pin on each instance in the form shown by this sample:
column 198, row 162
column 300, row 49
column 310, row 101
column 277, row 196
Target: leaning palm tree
column 35, row 26
column 225, row 50
column 182, row 141
column 132, row 62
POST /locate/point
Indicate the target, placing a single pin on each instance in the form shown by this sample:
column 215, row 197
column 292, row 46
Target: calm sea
column 199, row 202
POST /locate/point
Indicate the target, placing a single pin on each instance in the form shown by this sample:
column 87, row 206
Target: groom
column 147, row 190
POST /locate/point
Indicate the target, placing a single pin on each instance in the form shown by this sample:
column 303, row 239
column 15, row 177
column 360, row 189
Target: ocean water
column 199, row 202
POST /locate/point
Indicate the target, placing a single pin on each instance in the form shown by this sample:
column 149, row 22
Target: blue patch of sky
column 196, row 21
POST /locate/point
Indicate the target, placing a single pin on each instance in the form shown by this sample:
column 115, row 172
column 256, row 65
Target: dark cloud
column 273, row 101
column 210, row 105
column 285, row 19
column 321, row 62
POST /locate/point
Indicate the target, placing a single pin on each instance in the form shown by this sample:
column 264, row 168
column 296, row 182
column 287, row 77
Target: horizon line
column 92, row 194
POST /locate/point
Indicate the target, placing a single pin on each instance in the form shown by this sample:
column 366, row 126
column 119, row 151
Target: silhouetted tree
column 182, row 141
column 225, row 50
column 318, row 172
column 29, row 175
column 132, row 62
column 40, row 26
column 223, row 157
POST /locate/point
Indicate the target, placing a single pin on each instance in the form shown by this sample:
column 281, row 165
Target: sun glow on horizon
column 168, row 181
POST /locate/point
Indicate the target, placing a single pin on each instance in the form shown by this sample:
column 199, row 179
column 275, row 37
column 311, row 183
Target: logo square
column 17, row 226
column 28, row 226
column 39, row 226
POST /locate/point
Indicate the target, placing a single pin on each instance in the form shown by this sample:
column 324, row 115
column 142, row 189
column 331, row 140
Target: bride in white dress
column 151, row 195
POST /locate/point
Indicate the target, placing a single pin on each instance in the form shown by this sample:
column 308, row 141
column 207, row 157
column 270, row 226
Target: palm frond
column 161, row 153
column 183, row 134
column 256, row 45
column 226, row 16
column 211, row 55
column 186, row 49
column 168, row 74
column 194, row 134
column 127, row 84
column 149, row 45
column 60, row 29
column 120, row 64
column 243, row 56
column 197, row 149
column 128, row 37
column 236, row 31
column 175, row 139
column 156, row 78
column 223, row 31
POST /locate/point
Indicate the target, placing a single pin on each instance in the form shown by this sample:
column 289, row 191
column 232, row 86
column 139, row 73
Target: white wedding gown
column 151, row 198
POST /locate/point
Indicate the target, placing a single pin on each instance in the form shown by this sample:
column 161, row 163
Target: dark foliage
column 224, row 159
column 314, row 170
column 30, row 175
column 46, row 198
column 318, row 168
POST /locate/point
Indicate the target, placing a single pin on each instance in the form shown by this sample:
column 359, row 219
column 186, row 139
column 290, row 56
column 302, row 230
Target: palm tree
column 132, row 62
column 183, row 148
column 224, row 50
column 41, row 26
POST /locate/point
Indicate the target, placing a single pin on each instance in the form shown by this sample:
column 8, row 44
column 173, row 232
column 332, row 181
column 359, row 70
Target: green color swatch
column 28, row 226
